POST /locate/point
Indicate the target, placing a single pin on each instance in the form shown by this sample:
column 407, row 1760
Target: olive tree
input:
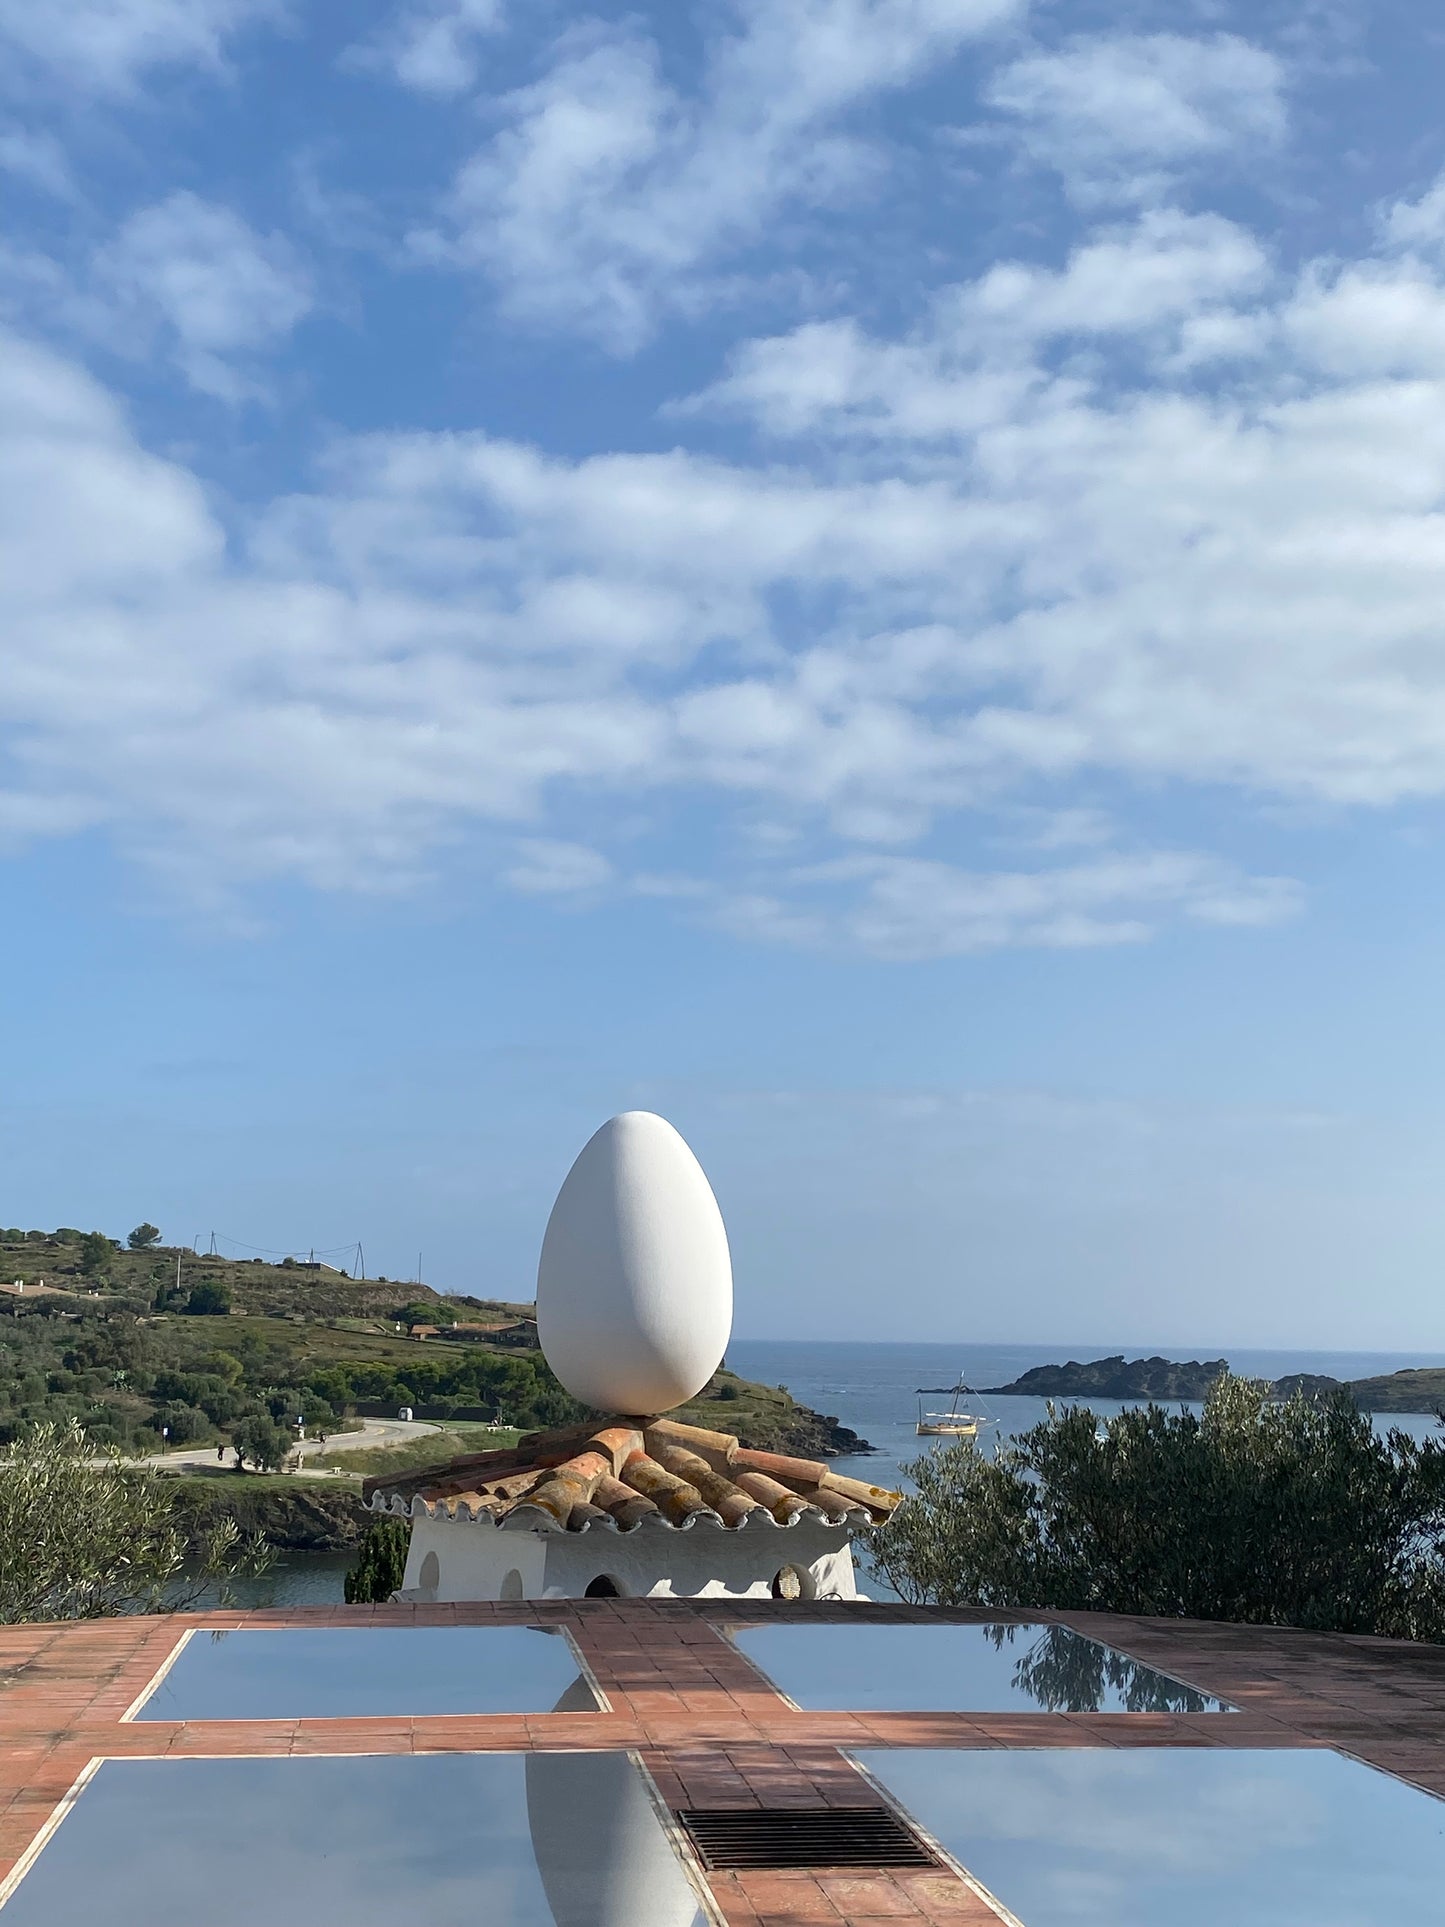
column 1285, row 1513
column 83, row 1535
column 261, row 1440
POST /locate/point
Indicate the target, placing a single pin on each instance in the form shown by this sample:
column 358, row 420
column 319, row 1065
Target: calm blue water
column 873, row 1389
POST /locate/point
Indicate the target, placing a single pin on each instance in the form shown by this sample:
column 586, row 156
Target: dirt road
column 374, row 1432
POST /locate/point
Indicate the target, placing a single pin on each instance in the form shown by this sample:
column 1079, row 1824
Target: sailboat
column 952, row 1424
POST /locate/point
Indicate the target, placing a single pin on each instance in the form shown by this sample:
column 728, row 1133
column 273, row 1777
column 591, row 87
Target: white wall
column 476, row 1561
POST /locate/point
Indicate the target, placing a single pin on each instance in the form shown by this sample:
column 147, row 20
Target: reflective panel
column 452, row 1840
column 964, row 1669
column 332, row 1672
column 1191, row 1836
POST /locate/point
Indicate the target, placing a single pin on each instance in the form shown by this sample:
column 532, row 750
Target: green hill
column 1118, row 1378
column 129, row 1342
column 1419, row 1390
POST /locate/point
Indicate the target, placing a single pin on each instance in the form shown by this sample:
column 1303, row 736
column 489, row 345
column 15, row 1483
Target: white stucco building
column 630, row 1508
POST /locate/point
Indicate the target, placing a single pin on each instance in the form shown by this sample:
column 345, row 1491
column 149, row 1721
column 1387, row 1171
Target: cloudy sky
column 864, row 573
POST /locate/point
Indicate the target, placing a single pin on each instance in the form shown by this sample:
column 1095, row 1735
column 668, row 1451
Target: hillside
column 131, row 1342
column 1421, row 1389
column 56, row 1261
column 1117, row 1378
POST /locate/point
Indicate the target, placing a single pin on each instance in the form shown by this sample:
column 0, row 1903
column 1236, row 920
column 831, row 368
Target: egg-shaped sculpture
column 635, row 1283
column 599, row 1846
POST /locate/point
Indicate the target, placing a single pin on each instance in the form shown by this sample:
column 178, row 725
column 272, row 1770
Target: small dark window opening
column 603, row 1587
column 788, row 1583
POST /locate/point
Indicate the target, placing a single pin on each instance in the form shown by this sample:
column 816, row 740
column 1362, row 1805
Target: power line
column 274, row 1251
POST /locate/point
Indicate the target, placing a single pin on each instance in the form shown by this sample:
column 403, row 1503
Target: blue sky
column 863, row 573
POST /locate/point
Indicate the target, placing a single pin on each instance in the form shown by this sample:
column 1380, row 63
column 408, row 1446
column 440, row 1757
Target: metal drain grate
column 745, row 1837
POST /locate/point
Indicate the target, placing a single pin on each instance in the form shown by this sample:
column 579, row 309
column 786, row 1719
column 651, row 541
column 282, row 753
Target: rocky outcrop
column 1118, row 1378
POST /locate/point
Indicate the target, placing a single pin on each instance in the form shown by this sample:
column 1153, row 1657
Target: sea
column 877, row 1390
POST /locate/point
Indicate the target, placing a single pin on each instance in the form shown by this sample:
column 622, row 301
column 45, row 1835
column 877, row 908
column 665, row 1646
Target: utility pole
column 213, row 1244
column 178, row 1269
column 360, row 1260
column 418, row 1267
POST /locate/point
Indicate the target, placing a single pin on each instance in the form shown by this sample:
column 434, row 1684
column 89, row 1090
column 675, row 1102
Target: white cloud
column 1166, row 280
column 1009, row 568
column 1119, row 115
column 547, row 868
column 1372, row 319
column 913, row 907
column 1165, row 267
column 433, row 48
column 221, row 292
column 105, row 46
column 1417, row 224
column 608, row 195
column 37, row 159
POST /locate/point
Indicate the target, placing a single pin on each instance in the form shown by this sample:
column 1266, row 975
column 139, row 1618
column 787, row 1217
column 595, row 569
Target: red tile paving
column 710, row 1731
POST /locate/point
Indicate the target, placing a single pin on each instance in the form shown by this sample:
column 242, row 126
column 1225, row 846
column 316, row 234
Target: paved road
column 374, row 1432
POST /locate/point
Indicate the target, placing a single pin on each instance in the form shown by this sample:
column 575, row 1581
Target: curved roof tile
column 619, row 1474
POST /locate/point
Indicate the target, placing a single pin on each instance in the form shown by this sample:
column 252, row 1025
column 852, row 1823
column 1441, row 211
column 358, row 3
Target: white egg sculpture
column 635, row 1283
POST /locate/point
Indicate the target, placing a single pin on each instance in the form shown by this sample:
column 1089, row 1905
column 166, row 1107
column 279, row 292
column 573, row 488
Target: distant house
column 523, row 1333
column 472, row 1332
column 426, row 1331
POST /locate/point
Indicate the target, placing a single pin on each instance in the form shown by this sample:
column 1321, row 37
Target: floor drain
column 742, row 1837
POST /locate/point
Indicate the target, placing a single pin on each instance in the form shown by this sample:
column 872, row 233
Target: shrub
column 185, row 1423
column 380, row 1564
column 86, row 1540
column 1293, row 1513
column 96, row 1252
column 208, row 1299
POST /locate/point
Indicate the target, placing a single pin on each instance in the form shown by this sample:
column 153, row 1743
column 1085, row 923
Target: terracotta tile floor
column 711, row 1732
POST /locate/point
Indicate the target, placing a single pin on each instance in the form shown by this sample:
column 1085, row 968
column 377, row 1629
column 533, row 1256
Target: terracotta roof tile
column 618, row 1474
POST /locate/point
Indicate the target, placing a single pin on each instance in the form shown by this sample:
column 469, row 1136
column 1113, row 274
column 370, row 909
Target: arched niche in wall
column 430, row 1576
column 793, row 1583
column 604, row 1586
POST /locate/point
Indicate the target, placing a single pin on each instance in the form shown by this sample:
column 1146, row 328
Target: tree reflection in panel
column 990, row 1668
column 359, row 1842
column 1189, row 1836
column 1063, row 1672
